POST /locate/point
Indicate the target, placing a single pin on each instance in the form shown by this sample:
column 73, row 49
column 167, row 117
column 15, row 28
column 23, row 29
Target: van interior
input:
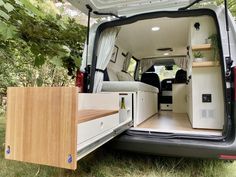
column 172, row 68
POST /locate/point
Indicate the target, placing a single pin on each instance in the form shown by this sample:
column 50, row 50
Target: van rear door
column 128, row 8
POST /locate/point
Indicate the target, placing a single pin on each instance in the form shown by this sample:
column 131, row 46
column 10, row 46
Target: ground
column 107, row 163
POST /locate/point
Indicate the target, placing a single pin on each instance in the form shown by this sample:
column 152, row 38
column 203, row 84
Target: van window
column 132, row 67
column 166, row 74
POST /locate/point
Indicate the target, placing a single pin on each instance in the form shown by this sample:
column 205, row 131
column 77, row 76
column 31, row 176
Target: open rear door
column 127, row 8
column 58, row 126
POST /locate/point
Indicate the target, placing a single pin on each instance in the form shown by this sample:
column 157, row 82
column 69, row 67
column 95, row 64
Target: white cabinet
column 206, row 103
column 179, row 98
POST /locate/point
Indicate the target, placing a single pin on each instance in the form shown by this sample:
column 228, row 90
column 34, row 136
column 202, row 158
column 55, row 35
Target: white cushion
column 112, row 75
column 127, row 86
column 122, row 76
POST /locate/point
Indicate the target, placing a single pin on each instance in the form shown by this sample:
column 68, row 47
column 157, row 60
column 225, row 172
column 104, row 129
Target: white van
column 160, row 74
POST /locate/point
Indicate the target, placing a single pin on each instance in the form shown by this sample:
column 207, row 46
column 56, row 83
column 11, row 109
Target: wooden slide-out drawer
column 96, row 127
column 48, row 125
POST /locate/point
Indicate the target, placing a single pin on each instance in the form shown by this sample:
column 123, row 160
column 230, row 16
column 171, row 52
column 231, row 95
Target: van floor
column 169, row 122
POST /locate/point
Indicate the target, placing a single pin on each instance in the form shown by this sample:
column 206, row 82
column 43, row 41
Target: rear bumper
column 174, row 147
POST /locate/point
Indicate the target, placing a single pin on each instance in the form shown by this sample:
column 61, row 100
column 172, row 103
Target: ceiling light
column 166, row 54
column 155, row 28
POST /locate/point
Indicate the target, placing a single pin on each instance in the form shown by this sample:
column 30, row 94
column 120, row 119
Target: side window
column 132, row 67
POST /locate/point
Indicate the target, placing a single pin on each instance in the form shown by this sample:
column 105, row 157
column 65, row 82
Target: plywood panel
column 41, row 126
column 169, row 122
column 206, row 64
column 90, row 114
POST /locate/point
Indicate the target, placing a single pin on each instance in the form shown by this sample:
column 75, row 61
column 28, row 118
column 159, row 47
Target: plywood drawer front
column 90, row 129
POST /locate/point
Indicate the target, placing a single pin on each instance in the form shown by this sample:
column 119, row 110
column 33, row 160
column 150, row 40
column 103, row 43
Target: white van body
column 192, row 115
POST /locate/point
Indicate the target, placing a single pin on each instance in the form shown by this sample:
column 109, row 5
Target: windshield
column 166, row 74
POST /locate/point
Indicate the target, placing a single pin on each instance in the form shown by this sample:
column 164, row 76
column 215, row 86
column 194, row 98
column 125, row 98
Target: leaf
column 56, row 61
column 77, row 61
column 9, row 7
column 2, row 3
column 18, row 2
column 39, row 61
column 39, row 82
column 30, row 7
column 4, row 15
column 7, row 31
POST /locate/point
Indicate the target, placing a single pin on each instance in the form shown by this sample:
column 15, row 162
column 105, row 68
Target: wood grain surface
column 41, row 126
column 90, row 114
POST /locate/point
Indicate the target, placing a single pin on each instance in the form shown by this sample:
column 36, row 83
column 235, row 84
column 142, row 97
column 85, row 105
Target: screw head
column 8, row 150
column 70, row 159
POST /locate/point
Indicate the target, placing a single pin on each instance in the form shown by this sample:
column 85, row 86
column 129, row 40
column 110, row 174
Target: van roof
column 128, row 7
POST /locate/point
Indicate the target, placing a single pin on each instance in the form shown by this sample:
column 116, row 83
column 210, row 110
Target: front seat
column 181, row 76
column 151, row 78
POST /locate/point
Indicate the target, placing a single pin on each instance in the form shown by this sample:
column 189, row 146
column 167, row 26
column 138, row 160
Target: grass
column 107, row 163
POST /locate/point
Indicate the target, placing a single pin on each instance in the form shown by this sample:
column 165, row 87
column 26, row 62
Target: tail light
column 228, row 157
column 80, row 80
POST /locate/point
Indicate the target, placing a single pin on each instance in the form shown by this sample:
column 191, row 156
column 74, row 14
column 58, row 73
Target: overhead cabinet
column 59, row 126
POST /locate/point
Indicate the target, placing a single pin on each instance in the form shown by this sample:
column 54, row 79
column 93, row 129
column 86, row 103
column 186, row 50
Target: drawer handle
column 101, row 125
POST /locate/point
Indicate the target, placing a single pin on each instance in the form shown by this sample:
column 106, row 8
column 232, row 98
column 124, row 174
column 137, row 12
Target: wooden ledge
column 201, row 47
column 206, row 64
column 90, row 114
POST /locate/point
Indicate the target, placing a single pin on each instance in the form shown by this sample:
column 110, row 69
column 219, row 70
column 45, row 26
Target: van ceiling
column 139, row 39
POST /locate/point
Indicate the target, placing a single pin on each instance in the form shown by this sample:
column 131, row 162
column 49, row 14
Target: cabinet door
column 41, row 126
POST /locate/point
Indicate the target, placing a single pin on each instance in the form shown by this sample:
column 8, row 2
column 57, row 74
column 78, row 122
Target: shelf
column 206, row 64
column 201, row 47
column 90, row 114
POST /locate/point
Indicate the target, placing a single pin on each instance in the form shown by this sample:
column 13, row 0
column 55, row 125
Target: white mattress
column 127, row 86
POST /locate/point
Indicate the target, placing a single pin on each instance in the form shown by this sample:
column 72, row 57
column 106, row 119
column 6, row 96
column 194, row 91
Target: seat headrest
column 181, row 76
column 151, row 69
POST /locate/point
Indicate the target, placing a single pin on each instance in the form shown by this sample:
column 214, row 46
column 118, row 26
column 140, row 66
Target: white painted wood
column 179, row 98
column 189, row 101
column 207, row 80
column 87, row 130
column 105, row 100
column 166, row 107
column 146, row 106
column 126, row 114
column 98, row 139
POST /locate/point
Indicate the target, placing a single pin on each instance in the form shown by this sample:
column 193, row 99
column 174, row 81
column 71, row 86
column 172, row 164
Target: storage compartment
column 207, row 102
column 58, row 126
column 126, row 103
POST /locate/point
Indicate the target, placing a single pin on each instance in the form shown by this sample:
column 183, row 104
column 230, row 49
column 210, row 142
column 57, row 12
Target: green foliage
column 215, row 45
column 231, row 5
column 198, row 54
column 36, row 44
